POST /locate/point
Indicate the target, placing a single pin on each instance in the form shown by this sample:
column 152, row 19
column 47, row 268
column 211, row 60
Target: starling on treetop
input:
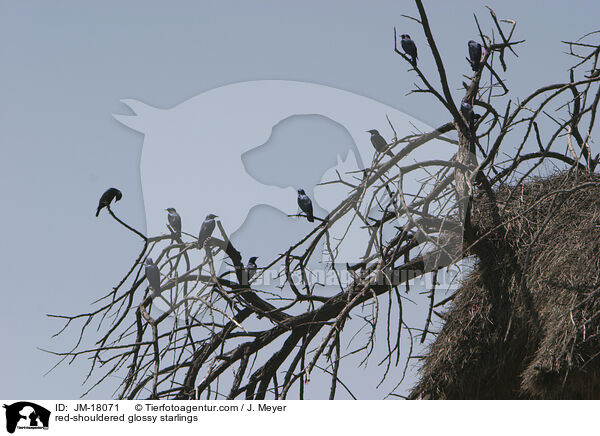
column 108, row 196
column 174, row 220
column 409, row 47
column 306, row 205
column 475, row 55
column 379, row 142
column 206, row 229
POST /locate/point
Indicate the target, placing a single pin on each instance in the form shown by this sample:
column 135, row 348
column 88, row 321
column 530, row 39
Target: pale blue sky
column 66, row 65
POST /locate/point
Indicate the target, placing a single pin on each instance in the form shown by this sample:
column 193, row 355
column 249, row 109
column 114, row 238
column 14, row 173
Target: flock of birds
column 304, row 202
column 410, row 48
column 475, row 51
column 206, row 229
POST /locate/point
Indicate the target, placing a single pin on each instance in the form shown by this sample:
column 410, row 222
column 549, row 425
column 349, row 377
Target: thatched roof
column 526, row 322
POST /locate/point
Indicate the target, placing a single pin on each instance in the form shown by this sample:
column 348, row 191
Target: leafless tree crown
column 226, row 337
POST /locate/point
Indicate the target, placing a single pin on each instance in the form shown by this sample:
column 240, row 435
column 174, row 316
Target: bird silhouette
column 379, row 142
column 206, row 229
column 251, row 267
column 109, row 195
column 153, row 275
column 593, row 74
column 306, row 205
column 174, row 220
column 467, row 110
column 475, row 55
column 409, row 47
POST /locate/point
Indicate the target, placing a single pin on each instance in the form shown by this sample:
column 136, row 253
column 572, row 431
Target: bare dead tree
column 205, row 334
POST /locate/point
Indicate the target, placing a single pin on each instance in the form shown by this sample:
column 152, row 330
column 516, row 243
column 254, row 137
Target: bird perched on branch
column 409, row 47
column 206, row 229
column 379, row 142
column 594, row 73
column 475, row 55
column 251, row 267
column 467, row 110
column 306, row 205
column 153, row 275
column 108, row 196
column 174, row 220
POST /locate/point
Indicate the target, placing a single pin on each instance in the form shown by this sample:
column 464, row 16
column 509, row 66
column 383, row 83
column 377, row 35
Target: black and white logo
column 26, row 415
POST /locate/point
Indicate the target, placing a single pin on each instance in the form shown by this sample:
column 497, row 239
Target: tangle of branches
column 214, row 333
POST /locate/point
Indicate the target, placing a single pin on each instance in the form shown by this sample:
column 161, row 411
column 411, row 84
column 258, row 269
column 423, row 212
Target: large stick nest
column 525, row 323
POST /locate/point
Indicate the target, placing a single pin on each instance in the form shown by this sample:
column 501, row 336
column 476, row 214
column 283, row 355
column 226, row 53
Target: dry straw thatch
column 526, row 322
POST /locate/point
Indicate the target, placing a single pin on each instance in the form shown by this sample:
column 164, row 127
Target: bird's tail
column 98, row 211
column 177, row 237
column 475, row 66
column 310, row 218
column 174, row 233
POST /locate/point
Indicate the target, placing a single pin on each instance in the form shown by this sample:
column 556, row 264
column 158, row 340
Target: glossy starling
column 174, row 220
column 594, row 73
column 153, row 275
column 379, row 142
column 206, row 229
column 108, row 197
column 475, row 55
column 251, row 267
column 306, row 205
column 467, row 110
column 409, row 47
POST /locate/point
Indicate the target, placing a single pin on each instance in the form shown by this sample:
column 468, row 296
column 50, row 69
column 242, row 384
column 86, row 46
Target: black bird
column 206, row 229
column 379, row 142
column 153, row 275
column 409, row 47
column 174, row 220
column 108, row 196
column 251, row 267
column 306, row 205
column 475, row 55
column 467, row 110
column 594, row 73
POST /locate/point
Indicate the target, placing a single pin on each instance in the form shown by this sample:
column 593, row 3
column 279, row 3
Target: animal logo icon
column 217, row 153
column 25, row 414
